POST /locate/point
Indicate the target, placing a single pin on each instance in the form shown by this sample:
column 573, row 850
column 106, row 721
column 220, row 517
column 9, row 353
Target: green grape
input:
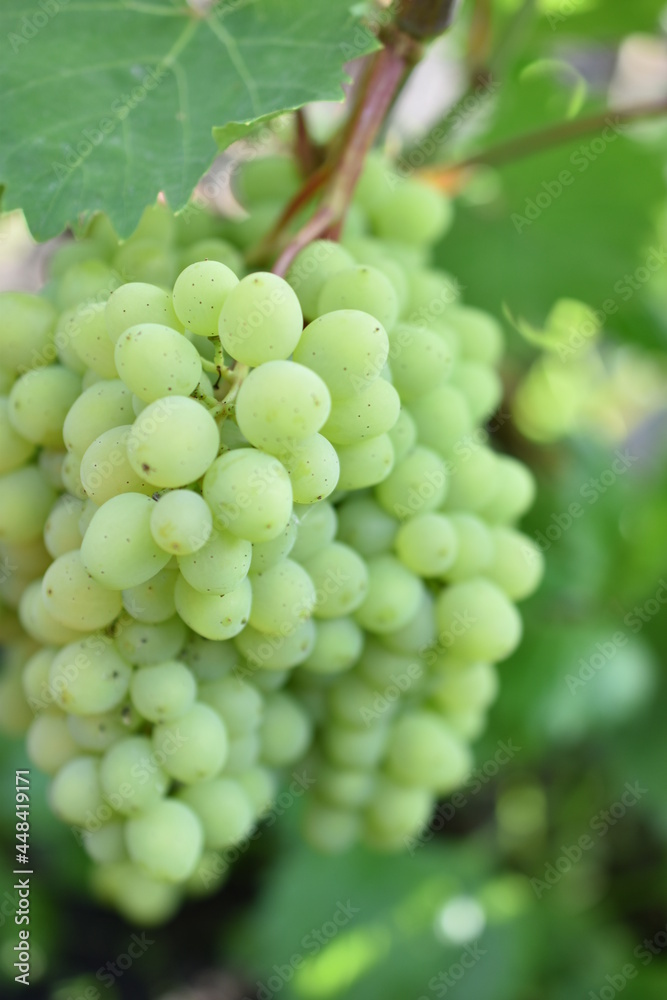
column 382, row 667
column 104, row 405
column 35, row 678
column 61, row 531
column 286, row 730
column 74, row 598
column 418, row 633
column 413, row 213
column 208, row 660
column 181, row 522
column 87, row 281
column 370, row 413
column 281, row 401
column 173, row 441
column 26, row 339
column 50, row 463
column 155, row 361
column 474, row 549
column 75, row 794
column 28, row 558
column 260, row 785
column 472, row 687
column 267, row 554
column 481, row 620
column 250, row 494
column 38, row 622
column 260, row 320
column 89, row 676
column 365, row 464
column 394, row 595
column 212, row 249
column 481, row 336
column 105, row 469
column 15, row 450
column 200, row 292
column 164, row 691
column 143, row 644
column 472, row 479
column 48, row 742
column 99, row 732
column 347, row 788
column 194, row 746
column 89, row 378
column 118, row 549
column 311, row 268
column 427, row 544
column 416, row 485
column 338, row 645
column 39, row 401
column 6, row 378
column 482, row 386
column 267, row 177
column 313, row 468
column 70, row 475
column 361, row 288
column 514, row 494
column 84, row 330
column 347, row 348
column 395, row 813
column 223, row 809
column 131, row 776
column 340, row 580
column 89, row 510
column 443, row 418
column 137, row 302
column 166, row 840
column 316, row 527
column 145, row 260
column 214, row 616
column 424, row 753
column 243, row 753
column 142, row 900
column 282, row 598
column 276, row 652
column 25, row 501
column 354, row 703
column 403, row 435
column 329, row 829
column 420, row 360
column 354, row 748
column 106, row 846
column 364, row 526
column 518, row 564
column 220, row 565
column 432, row 293
column 239, row 704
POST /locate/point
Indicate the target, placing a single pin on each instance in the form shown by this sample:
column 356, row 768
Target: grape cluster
column 248, row 521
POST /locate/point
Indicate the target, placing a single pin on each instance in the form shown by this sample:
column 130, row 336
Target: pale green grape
column 354, row 748
column 340, row 580
column 89, row 676
column 173, row 441
column 15, row 450
column 87, row 281
column 164, row 691
column 214, row 616
column 316, row 527
column 209, row 660
column 517, row 565
column 39, row 401
column 354, row 703
column 260, row 785
column 105, row 469
column 250, row 494
column 90, row 378
column 472, row 480
column 99, row 732
column 413, row 212
column 74, row 598
column 137, row 302
column 432, row 293
column 474, row 549
column 50, row 463
column 223, row 809
column 365, row 464
column 424, row 753
column 104, row 405
column 285, row 732
column 347, row 788
column 145, row 260
column 144, row 644
column 382, row 667
column 365, row 526
column 49, row 744
column 482, row 386
column 427, row 544
column 40, row 623
column 141, row 899
column 84, row 330
column 338, row 645
column 61, row 531
column 329, row 829
column 194, row 746
column 416, row 485
column 480, row 335
column 443, row 418
column 75, row 794
column 244, row 752
column 267, row 554
column 214, row 249
column 131, row 776
column 482, row 621
column 26, row 339
column 280, row 401
column 260, row 320
column 276, row 652
column 473, row 687
column 118, row 549
column 25, row 501
column 361, row 288
column 420, row 360
column 106, row 845
column 394, row 595
column 218, row 566
column 347, row 348
column 370, row 413
column 30, row 559
column 267, row 177
column 395, row 813
column 514, row 494
column 282, row 598
column 89, row 510
column 200, row 292
column 155, row 361
column 417, row 633
column 403, row 435
column 313, row 468
column 311, row 267
column 238, row 703
column 166, row 840
column 71, row 479
column 35, row 678
column 181, row 522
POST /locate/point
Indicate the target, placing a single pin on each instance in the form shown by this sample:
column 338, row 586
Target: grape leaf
column 108, row 102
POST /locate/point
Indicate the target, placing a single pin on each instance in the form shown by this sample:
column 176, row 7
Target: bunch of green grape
column 250, row 524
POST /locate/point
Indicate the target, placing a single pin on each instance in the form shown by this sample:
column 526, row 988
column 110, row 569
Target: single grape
column 99, row 732
column 518, row 564
column 106, row 846
column 104, row 405
column 416, row 485
column 424, row 753
column 15, row 450
column 316, row 527
column 166, row 840
column 26, row 339
column 427, row 544
column 347, row 348
column 75, row 794
column 84, row 330
column 155, row 361
column 310, row 269
column 282, row 598
column 118, row 549
column 260, row 320
column 443, row 418
column 365, row 526
column 370, row 413
column 418, row 633
column 239, row 704
column 164, row 691
column 143, row 901
column 329, row 829
column 338, row 646
column 480, row 335
column 173, row 442
column 89, row 676
column 61, row 531
column 49, row 744
column 482, row 621
column 105, row 469
column 267, row 554
column 412, row 213
column 74, row 598
column 464, row 688
column 39, row 401
column 313, row 468
column 420, row 360
column 137, row 302
column 208, row 660
column 218, row 566
column 472, row 477
column 200, row 292
column 474, row 548
column 250, row 494
column 354, row 748
column 281, row 401
column 365, row 464
column 144, row 644
column 223, row 809
column 286, row 730
column 213, row 249
column 194, row 746
column 340, row 580
column 395, row 813
column 131, row 776
column 482, row 386
column 181, row 522
column 276, row 652
column 514, row 494
column 393, row 597
column 25, row 501
column 347, row 788
column 214, row 616
column 361, row 287
column 37, row 621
